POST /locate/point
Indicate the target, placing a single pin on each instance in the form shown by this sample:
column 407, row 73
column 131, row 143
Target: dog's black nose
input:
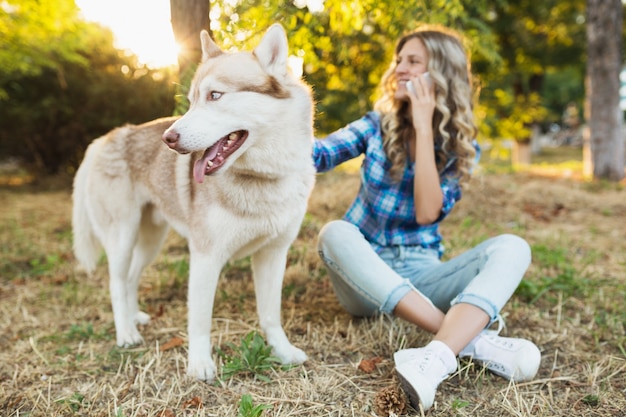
column 170, row 137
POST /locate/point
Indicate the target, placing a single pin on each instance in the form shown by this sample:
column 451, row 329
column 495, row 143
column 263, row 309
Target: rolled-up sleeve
column 451, row 194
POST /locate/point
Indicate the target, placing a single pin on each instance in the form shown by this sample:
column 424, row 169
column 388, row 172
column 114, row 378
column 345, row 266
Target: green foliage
column 182, row 89
column 67, row 84
column 252, row 357
column 248, row 409
column 562, row 86
column 30, row 31
column 347, row 46
column 71, row 87
column 522, row 110
column 537, row 44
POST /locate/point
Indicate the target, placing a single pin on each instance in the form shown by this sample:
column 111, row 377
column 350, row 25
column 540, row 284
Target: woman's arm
column 427, row 194
column 344, row 144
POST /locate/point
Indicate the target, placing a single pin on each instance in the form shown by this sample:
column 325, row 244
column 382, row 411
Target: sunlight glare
column 141, row 26
column 314, row 6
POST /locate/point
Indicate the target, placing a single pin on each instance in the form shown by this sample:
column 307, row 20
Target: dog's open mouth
column 215, row 156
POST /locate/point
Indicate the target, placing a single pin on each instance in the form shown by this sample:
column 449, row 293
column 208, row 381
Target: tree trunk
column 189, row 18
column 604, row 61
column 521, row 153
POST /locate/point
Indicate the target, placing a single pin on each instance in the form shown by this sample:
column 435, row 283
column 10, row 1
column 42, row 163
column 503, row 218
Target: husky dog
column 237, row 185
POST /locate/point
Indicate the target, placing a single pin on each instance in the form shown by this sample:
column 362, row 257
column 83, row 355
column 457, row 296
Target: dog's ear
column 209, row 48
column 272, row 50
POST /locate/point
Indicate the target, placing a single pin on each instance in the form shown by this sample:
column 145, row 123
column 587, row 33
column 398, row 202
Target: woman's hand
column 421, row 92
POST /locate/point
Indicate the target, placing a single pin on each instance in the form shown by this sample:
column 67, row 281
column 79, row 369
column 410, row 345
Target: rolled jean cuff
column 480, row 302
column 396, row 295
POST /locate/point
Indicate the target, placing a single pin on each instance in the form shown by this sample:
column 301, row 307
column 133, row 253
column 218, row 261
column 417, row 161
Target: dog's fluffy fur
column 237, row 185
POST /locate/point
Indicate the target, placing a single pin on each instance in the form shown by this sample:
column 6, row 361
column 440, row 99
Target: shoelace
column 500, row 341
column 426, row 360
column 487, row 334
column 501, row 324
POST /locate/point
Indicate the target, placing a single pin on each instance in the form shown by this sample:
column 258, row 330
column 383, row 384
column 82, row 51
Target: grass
column 248, row 409
column 57, row 341
column 252, row 357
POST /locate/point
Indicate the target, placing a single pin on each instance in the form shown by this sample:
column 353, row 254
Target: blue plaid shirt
column 384, row 209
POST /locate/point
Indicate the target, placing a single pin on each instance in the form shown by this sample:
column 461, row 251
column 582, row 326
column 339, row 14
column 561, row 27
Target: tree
column 536, row 43
column 27, row 32
column 60, row 89
column 346, row 45
column 604, row 61
column 189, row 18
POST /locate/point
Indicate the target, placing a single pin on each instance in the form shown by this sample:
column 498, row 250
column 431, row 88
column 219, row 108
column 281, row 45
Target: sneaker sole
column 423, row 402
column 410, row 392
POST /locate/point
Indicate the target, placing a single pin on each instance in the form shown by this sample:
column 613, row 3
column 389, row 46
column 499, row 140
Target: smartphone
column 409, row 84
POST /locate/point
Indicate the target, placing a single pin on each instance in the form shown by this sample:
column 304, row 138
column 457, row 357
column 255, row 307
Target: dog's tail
column 87, row 248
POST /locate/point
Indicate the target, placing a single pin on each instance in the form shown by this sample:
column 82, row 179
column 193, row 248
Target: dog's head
column 238, row 98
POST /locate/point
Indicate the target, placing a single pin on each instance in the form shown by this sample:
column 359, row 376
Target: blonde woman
column 384, row 256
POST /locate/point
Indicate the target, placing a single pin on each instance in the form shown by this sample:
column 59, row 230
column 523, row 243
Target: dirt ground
column 57, row 353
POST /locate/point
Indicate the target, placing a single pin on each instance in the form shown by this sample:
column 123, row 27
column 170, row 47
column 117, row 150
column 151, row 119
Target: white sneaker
column 421, row 371
column 510, row 358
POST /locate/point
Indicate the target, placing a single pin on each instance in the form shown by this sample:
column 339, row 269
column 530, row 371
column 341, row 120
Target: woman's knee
column 517, row 246
column 333, row 237
column 334, row 230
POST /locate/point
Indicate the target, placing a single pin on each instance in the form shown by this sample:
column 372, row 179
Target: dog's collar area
column 216, row 155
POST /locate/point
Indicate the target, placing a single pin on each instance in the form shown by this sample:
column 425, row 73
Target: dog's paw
column 202, row 370
column 290, row 355
column 142, row 318
column 128, row 338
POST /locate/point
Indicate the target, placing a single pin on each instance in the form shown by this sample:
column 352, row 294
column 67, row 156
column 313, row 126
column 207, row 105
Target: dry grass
column 58, row 354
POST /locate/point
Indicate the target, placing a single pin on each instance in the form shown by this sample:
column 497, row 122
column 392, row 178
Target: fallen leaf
column 174, row 342
column 195, row 402
column 369, row 365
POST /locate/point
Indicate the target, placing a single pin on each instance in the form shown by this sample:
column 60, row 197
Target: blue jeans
column 368, row 282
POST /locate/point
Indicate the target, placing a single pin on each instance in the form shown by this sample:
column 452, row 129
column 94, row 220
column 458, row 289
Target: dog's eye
column 214, row 95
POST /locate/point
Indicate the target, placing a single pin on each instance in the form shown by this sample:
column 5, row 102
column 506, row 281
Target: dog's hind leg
column 152, row 231
column 268, row 269
column 120, row 240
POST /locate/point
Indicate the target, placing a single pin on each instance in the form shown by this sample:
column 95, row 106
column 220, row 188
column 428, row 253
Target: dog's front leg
column 268, row 269
column 203, row 276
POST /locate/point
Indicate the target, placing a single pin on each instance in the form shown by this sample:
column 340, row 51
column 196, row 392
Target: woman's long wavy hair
column 453, row 121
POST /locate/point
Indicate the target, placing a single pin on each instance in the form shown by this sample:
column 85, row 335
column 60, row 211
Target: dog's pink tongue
column 199, row 167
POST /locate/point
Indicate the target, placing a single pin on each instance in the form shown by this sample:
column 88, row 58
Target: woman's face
column 411, row 61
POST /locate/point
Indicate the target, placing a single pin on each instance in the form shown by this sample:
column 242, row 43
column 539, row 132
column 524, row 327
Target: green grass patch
column 74, row 403
column 248, row 409
column 559, row 275
column 45, row 264
column 252, row 357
